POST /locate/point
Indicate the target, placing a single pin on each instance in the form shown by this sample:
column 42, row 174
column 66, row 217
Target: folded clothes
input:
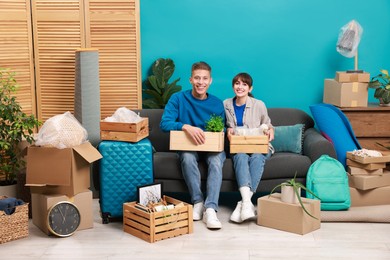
column 8, row 205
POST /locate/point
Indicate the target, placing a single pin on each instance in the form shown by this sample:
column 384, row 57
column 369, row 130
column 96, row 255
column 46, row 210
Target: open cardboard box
column 63, row 171
column 366, row 160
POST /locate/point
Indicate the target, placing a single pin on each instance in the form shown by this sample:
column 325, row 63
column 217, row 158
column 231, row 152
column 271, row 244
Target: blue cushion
column 335, row 126
column 288, row 138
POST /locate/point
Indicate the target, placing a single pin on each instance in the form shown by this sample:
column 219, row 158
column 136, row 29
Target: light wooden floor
column 233, row 241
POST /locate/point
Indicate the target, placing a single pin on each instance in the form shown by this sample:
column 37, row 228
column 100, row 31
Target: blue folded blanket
column 8, row 205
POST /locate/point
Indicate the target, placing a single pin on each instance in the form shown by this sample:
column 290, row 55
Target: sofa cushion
column 288, row 138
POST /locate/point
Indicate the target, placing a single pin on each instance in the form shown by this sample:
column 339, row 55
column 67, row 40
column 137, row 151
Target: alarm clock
column 63, row 219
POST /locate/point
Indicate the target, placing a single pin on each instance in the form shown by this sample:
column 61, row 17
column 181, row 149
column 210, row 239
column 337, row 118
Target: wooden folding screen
column 47, row 33
column 58, row 32
column 16, row 52
column 114, row 31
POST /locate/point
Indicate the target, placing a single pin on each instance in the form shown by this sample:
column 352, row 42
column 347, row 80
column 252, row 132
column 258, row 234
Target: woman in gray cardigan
column 244, row 110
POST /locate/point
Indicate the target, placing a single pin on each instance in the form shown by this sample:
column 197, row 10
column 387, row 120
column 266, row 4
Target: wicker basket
column 14, row 226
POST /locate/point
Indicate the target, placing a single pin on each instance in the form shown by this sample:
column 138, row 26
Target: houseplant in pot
column 291, row 192
column 381, row 84
column 15, row 126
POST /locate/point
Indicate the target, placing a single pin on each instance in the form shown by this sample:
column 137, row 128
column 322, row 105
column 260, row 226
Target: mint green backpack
column 328, row 179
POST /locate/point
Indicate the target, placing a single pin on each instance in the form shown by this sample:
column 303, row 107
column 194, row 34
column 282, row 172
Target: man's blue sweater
column 182, row 108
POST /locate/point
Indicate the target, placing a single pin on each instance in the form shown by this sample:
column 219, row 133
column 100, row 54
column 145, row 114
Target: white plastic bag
column 123, row 115
column 349, row 38
column 245, row 131
column 61, row 131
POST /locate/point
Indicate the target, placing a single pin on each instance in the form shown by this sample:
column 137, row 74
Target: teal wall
column 288, row 46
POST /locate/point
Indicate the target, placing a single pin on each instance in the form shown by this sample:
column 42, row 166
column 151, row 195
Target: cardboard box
column 377, row 196
column 248, row 144
column 155, row 226
column 41, row 204
column 353, row 94
column 343, row 76
column 288, row 217
column 359, row 171
column 181, row 142
column 368, row 166
column 367, row 160
column 129, row 132
column 62, row 171
column 366, row 182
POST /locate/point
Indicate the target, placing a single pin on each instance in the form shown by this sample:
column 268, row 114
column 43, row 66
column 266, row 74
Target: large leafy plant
column 381, row 84
column 296, row 186
column 15, row 126
column 159, row 90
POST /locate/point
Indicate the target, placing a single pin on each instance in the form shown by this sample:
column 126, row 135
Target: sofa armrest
column 315, row 145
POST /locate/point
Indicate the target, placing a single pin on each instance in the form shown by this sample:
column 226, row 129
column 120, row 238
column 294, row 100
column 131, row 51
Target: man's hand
column 196, row 134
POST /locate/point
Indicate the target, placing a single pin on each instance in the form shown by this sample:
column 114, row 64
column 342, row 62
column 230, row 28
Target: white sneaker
column 197, row 211
column 247, row 210
column 236, row 215
column 211, row 220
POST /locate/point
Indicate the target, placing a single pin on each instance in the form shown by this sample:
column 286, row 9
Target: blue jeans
column 189, row 166
column 249, row 169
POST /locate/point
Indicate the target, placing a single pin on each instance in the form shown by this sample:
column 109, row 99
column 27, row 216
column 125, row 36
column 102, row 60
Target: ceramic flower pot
column 288, row 195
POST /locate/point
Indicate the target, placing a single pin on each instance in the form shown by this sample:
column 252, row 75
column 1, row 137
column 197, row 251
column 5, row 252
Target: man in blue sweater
column 188, row 111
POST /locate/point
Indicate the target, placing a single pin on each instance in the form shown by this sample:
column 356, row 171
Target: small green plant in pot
column 215, row 124
column 158, row 89
column 296, row 186
column 381, row 84
column 15, row 126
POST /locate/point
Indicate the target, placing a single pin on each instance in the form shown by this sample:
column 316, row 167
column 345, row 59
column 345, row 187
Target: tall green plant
column 296, row 185
column 159, row 90
column 15, row 126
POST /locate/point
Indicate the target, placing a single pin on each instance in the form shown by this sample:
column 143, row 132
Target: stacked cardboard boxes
column 55, row 175
column 347, row 89
column 369, row 180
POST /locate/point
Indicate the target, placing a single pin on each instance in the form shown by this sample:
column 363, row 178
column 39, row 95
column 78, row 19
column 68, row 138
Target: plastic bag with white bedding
column 123, row 115
column 61, row 131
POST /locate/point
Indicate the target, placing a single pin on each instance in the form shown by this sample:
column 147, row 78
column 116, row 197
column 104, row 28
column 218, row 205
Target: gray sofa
column 279, row 167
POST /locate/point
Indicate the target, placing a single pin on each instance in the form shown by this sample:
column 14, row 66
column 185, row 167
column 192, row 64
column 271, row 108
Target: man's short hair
column 201, row 65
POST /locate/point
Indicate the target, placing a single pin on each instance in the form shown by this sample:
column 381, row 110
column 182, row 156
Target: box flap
column 48, row 166
column 88, row 152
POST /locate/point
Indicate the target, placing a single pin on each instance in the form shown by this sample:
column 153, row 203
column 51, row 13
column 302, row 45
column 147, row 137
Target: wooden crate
column 181, row 142
column 248, row 144
column 155, row 226
column 14, row 226
column 129, row 132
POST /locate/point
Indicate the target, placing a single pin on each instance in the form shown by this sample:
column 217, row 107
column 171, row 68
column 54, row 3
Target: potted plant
column 15, row 126
column 159, row 90
column 381, row 84
column 215, row 124
column 296, row 187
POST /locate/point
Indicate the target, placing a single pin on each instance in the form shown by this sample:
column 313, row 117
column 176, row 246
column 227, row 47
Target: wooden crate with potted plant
column 214, row 135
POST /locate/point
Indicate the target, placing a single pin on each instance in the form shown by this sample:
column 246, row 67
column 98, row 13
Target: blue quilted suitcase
column 124, row 166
